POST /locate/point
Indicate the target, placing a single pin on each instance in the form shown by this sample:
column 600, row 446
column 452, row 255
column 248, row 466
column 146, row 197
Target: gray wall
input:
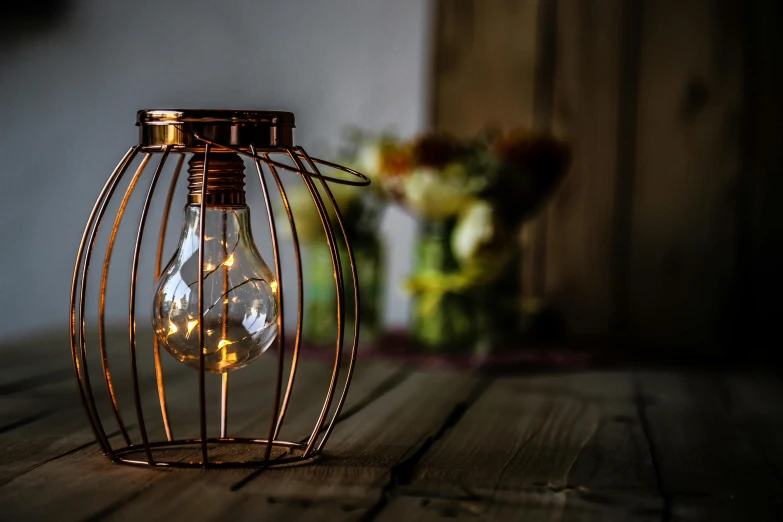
column 69, row 93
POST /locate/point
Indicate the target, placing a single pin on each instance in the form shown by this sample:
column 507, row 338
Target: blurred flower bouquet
column 471, row 197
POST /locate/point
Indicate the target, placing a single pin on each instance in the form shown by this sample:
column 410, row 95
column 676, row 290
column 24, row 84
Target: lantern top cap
column 264, row 130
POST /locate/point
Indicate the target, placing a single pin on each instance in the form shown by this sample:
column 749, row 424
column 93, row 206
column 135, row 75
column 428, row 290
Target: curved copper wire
column 303, row 172
column 351, row 260
column 83, row 299
column 300, row 299
column 301, row 162
column 201, row 371
column 292, row 449
column 224, row 402
column 340, row 294
column 102, row 297
column 155, row 343
column 132, row 303
column 82, row 378
column 280, row 307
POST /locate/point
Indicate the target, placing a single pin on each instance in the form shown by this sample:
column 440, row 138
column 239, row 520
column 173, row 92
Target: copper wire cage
column 259, row 136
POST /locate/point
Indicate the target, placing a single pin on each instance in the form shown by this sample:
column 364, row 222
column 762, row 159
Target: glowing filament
column 223, row 343
column 172, row 328
column 191, row 324
column 229, row 261
column 273, row 286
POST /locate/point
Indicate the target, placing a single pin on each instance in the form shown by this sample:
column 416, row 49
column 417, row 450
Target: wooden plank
column 709, row 464
column 46, row 357
column 44, row 418
column 85, row 485
column 485, row 54
column 534, row 230
column 580, row 217
column 38, row 428
column 575, row 438
column 616, row 460
column 685, row 198
column 754, row 403
column 351, row 477
column 33, row 361
column 530, row 507
column 701, row 449
column 547, row 447
column 41, row 413
column 657, row 229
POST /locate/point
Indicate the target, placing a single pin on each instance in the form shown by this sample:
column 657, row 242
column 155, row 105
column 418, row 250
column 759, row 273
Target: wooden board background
column 665, row 231
column 411, row 444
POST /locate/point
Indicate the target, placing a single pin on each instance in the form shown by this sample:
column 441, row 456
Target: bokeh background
column 663, row 238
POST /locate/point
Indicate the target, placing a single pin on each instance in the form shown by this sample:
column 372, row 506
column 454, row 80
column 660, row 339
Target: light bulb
column 240, row 306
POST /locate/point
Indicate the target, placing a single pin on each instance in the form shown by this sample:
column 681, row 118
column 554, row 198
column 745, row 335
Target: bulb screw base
column 225, row 179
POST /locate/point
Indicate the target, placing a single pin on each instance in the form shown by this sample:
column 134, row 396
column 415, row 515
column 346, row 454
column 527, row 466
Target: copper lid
column 265, row 130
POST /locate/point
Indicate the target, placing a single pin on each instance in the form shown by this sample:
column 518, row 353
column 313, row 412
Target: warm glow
column 191, row 324
column 273, row 286
column 224, row 342
column 229, row 261
column 208, row 267
column 172, row 328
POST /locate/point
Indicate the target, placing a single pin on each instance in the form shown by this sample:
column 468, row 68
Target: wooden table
column 419, row 444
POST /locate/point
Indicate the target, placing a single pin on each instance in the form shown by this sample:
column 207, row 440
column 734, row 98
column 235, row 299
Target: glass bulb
column 240, row 293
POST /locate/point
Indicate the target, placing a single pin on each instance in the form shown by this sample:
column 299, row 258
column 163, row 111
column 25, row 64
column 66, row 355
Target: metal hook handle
column 364, row 180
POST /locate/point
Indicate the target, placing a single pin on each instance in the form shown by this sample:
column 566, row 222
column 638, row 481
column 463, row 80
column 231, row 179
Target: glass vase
column 443, row 319
column 451, row 316
column 320, row 305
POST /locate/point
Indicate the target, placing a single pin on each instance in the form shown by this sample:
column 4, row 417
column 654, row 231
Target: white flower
column 482, row 242
column 475, row 228
column 368, row 160
column 439, row 195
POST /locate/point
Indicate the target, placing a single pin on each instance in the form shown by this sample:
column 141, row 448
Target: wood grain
column 347, row 482
column 422, row 445
column 666, row 231
column 685, row 198
column 530, row 507
column 503, row 451
column 113, row 488
column 711, row 451
column 581, row 215
column 484, row 62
